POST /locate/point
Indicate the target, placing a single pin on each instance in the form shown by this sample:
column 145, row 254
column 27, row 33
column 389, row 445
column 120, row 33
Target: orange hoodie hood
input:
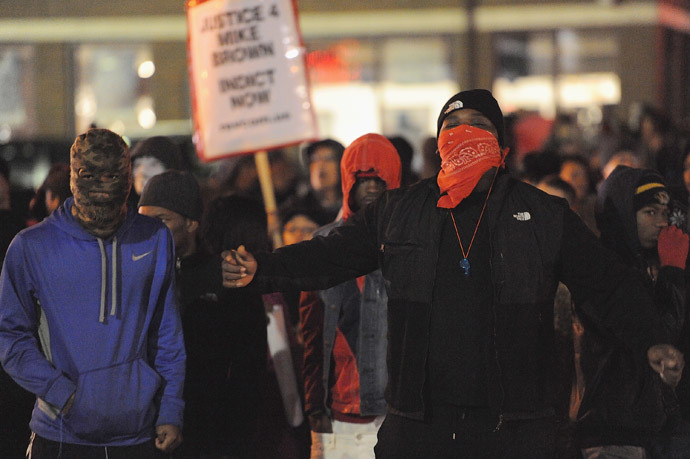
column 366, row 153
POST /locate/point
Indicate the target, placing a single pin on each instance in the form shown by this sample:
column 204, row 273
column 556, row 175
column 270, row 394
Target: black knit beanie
column 161, row 148
column 174, row 190
column 478, row 99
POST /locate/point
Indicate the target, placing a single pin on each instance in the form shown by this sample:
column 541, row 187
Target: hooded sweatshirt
column 616, row 216
column 623, row 401
column 353, row 328
column 98, row 319
column 373, row 155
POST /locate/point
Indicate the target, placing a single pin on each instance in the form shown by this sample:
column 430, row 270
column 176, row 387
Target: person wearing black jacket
column 471, row 261
column 224, row 330
column 624, row 407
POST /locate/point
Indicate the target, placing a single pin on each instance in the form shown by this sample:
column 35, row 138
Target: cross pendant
column 465, row 265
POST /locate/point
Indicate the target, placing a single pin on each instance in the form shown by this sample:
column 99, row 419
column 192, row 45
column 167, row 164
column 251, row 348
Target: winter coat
column 623, row 401
column 345, row 327
column 225, row 340
column 535, row 241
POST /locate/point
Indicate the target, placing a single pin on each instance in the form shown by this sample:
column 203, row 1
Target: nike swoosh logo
column 139, row 257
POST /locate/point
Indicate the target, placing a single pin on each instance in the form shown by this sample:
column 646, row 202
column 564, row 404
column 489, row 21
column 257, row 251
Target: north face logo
column 522, row 216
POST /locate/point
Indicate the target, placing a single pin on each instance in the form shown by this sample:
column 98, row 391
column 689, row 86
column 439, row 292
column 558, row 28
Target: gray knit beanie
column 174, row 190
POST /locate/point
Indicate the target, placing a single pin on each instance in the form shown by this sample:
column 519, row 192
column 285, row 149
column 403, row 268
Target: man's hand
column 168, row 437
column 673, row 247
column 238, row 267
column 320, row 423
column 668, row 362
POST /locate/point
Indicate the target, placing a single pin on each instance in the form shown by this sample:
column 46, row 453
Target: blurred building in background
column 375, row 65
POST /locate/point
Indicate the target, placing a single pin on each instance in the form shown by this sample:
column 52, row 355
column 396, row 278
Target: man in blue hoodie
column 89, row 321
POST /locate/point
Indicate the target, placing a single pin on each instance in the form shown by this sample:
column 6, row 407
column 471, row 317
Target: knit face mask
column 466, row 154
column 100, row 180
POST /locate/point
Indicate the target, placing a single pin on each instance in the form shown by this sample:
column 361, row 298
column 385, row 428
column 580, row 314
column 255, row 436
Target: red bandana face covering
column 466, row 154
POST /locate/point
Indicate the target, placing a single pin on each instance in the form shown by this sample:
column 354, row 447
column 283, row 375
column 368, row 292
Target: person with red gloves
column 624, row 406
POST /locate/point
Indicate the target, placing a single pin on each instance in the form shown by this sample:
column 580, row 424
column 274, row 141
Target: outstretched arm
column 349, row 251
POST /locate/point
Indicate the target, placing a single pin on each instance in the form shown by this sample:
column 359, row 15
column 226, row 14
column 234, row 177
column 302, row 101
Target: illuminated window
column 113, row 88
column 555, row 71
column 392, row 85
column 17, row 99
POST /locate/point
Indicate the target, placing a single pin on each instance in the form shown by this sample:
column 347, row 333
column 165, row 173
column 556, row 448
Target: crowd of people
column 460, row 311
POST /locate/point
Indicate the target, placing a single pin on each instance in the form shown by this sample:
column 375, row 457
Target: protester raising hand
column 673, row 247
column 239, row 267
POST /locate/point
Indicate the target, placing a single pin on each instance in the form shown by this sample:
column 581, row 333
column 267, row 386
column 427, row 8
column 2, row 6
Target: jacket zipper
column 494, row 333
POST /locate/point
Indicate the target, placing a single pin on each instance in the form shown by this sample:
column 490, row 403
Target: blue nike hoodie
column 98, row 319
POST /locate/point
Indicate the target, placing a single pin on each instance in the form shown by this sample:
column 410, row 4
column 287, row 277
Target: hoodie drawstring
column 113, row 306
column 104, row 257
column 101, row 317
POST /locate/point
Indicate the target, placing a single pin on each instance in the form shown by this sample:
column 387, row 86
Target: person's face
column 324, row 169
column 143, row 169
column 470, row 117
column 576, row 175
column 299, row 228
column 283, row 175
column 183, row 229
column 686, row 173
column 650, row 220
column 366, row 190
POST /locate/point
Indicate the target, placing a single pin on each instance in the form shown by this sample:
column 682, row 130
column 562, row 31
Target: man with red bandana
column 471, row 260
column 344, row 327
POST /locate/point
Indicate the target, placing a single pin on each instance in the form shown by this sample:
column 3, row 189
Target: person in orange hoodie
column 344, row 327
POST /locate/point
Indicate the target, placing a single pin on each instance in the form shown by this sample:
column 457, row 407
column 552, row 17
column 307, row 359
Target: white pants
column 348, row 440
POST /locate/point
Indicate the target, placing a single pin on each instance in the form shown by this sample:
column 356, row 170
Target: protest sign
column 248, row 77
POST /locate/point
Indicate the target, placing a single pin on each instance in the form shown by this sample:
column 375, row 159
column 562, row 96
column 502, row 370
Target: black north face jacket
column 535, row 242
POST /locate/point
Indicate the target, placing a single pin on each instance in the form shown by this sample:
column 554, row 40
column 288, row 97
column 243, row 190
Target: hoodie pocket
column 114, row 402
